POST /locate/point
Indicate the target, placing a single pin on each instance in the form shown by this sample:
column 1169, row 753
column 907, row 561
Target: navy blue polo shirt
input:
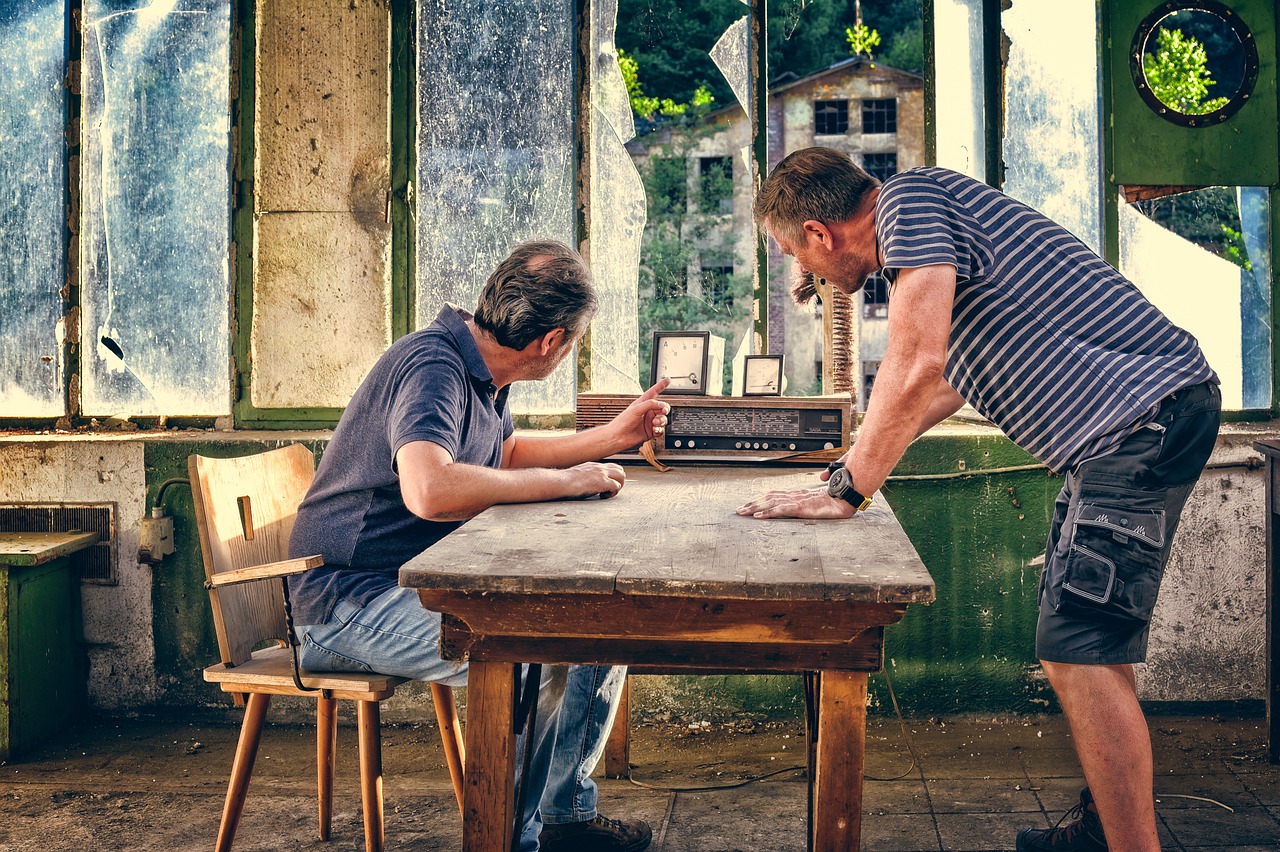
column 431, row 385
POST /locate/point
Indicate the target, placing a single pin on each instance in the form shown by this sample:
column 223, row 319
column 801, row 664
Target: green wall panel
column 1146, row 149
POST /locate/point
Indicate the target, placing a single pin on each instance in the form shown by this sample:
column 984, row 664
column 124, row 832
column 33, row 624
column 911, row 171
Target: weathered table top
column 676, row 534
column 37, row 548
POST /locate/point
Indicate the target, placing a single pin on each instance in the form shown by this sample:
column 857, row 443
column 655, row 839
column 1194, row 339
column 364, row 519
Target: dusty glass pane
column 495, row 152
column 732, row 54
column 615, row 214
column 32, row 169
column 155, row 223
column 959, row 82
column 1204, row 259
column 1052, row 125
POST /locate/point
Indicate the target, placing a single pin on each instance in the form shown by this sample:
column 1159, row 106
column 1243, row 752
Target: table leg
column 842, row 727
column 489, row 791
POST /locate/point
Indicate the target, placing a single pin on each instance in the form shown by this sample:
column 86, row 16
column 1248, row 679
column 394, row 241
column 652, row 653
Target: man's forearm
column 560, row 451
column 901, row 403
column 945, row 403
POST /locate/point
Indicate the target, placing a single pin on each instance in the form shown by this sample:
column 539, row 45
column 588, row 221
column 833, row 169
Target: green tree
column 1178, row 74
column 862, row 39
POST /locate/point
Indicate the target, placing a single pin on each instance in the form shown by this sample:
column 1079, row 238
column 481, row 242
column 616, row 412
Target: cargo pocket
column 1114, row 563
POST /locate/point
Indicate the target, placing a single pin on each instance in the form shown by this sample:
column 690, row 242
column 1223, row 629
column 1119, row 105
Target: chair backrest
column 245, row 508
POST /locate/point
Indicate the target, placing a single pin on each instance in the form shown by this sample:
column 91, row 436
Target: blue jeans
column 394, row 634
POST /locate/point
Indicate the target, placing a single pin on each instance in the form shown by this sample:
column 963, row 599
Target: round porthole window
column 1194, row 62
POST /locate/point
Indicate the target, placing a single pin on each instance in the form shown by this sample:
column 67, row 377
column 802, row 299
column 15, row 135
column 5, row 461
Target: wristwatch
column 840, row 485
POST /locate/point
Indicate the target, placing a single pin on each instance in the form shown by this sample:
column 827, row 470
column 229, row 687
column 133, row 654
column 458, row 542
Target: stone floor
column 158, row 783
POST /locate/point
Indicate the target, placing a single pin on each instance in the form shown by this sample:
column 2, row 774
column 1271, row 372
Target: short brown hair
column 541, row 286
column 812, row 183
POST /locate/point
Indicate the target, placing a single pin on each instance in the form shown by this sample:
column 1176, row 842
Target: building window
column 715, row 284
column 875, row 297
column 715, row 182
column 880, row 116
column 880, row 166
column 830, row 117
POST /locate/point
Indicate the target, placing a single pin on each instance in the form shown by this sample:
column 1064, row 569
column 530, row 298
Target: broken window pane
column 959, row 83
column 615, row 213
column 1052, row 126
column 155, row 226
column 1204, row 259
column 495, row 152
column 32, row 230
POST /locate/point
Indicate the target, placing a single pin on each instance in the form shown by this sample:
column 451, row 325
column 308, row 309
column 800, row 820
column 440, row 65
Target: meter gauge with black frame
column 762, row 375
column 683, row 357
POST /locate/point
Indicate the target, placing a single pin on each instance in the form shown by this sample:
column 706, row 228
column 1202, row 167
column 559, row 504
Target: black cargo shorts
column 1113, row 525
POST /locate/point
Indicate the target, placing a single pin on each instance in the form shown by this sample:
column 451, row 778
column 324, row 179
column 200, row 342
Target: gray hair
column 541, row 286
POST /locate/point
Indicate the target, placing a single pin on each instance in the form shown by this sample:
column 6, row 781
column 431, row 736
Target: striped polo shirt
column 1048, row 341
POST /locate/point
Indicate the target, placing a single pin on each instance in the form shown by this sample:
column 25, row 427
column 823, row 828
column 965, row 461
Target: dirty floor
column 158, row 784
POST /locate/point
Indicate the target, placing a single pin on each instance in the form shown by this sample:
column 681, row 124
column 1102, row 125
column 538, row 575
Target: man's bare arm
column 945, row 403
column 906, row 394
column 644, row 419
column 437, row 488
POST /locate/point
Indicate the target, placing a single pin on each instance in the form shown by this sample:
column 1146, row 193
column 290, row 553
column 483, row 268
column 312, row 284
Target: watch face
column 762, row 375
column 681, row 356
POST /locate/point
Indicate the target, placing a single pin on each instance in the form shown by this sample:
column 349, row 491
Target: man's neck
column 503, row 363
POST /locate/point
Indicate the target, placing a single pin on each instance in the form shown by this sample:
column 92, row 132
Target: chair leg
column 326, row 744
column 242, row 768
column 368, row 719
column 450, row 735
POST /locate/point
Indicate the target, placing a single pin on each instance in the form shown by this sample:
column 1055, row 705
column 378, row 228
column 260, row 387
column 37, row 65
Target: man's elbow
column 425, row 503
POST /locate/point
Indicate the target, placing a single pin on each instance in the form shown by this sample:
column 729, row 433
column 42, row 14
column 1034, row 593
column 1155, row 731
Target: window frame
column 823, row 109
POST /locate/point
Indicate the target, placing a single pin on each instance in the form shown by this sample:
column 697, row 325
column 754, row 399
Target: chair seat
column 269, row 671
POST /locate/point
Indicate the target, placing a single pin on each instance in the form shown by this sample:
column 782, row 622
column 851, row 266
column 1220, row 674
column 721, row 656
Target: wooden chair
column 245, row 508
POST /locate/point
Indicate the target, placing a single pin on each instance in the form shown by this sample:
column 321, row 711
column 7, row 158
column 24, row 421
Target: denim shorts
column 1113, row 525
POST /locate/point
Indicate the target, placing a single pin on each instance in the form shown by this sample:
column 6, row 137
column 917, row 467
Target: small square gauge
column 682, row 356
column 762, row 375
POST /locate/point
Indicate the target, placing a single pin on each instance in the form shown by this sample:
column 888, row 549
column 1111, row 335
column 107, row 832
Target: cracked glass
column 155, row 223
column 32, row 221
column 496, row 145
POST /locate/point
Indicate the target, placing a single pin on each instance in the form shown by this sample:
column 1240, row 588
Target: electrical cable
column 798, row 768
column 164, row 485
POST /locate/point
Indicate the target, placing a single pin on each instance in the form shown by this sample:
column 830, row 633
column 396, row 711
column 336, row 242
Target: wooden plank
column 842, row 723
column 489, row 790
column 283, row 568
column 660, row 618
column 272, row 666
column 24, row 549
column 863, row 654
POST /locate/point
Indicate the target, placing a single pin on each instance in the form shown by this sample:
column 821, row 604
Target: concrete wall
column 971, row 651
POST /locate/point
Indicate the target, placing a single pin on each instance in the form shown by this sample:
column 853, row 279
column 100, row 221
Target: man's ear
column 551, row 342
column 816, row 233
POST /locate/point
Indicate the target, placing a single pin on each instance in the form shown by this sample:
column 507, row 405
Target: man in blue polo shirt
column 996, row 305
column 428, row 442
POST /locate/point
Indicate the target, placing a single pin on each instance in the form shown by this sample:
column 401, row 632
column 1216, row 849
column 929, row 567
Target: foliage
column 645, row 106
column 671, row 40
column 862, row 39
column 1178, row 74
column 1234, row 248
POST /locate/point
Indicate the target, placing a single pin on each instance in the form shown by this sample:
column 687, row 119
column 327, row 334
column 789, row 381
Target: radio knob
column 791, row 446
column 692, row 444
column 828, row 446
column 764, row 446
column 737, row 445
column 678, row 443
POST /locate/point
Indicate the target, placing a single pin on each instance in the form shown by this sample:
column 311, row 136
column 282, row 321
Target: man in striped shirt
column 993, row 304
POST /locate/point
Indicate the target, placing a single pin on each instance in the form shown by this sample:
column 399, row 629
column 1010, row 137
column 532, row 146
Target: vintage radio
column 739, row 427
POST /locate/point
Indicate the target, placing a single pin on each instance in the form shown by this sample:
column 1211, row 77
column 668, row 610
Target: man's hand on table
column 594, row 479
column 798, row 503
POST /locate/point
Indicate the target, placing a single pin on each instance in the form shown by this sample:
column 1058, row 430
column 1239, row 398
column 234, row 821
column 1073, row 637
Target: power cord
column 906, row 736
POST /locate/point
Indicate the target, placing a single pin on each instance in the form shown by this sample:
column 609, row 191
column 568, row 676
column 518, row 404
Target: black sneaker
column 1082, row 835
column 596, row 835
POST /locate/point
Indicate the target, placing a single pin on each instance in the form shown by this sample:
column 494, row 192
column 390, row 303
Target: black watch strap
column 840, row 486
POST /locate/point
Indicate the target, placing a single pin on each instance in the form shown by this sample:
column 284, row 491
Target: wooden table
column 666, row 574
column 42, row 669
column 1271, row 451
